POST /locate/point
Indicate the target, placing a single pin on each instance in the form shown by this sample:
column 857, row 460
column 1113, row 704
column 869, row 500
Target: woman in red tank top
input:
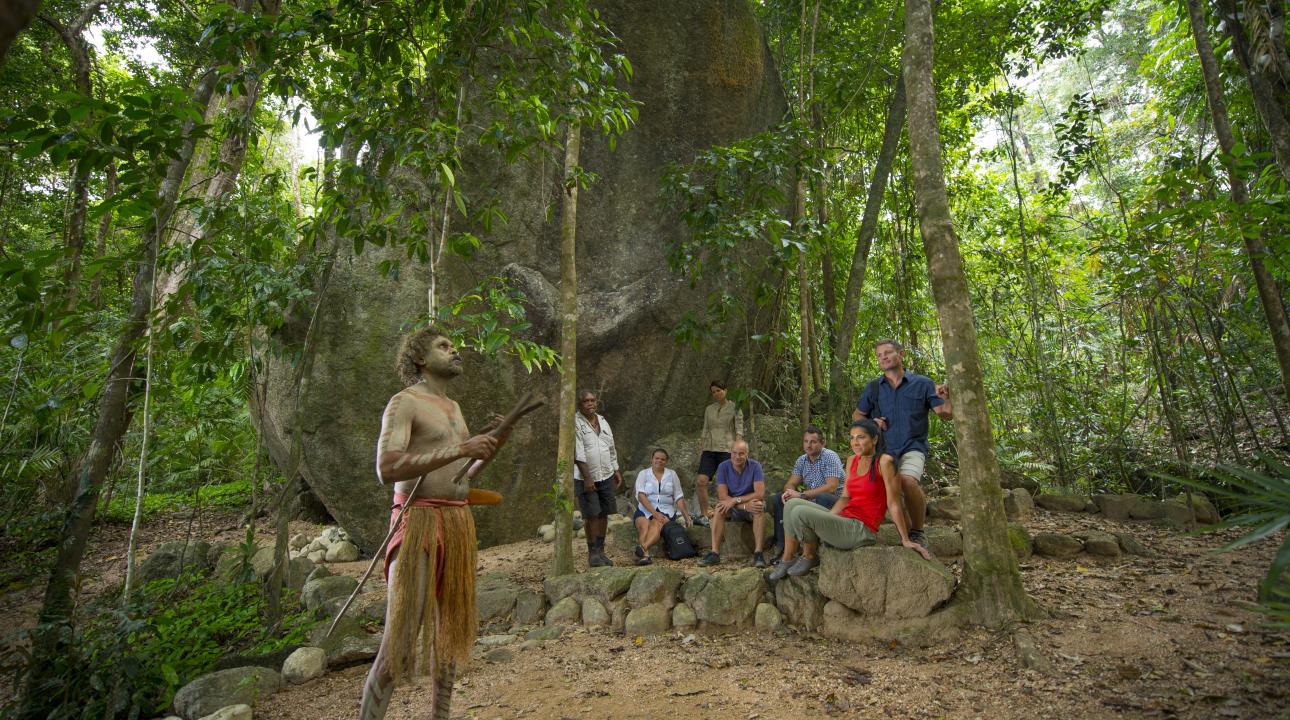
column 854, row 519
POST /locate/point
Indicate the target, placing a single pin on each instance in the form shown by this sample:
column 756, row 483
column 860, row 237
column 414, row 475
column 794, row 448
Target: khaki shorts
column 911, row 464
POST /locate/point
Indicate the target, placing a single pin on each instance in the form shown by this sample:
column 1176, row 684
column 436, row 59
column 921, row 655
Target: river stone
column 654, row 584
column 725, row 598
column 529, row 607
column 1116, row 507
column 367, row 607
column 594, row 613
column 262, row 563
column 1147, row 509
column 304, row 665
column 607, row 583
column 342, row 551
column 170, row 559
column 1063, row 503
column 767, row 618
column 1019, row 540
column 799, row 599
column 683, row 617
column 1101, row 544
column 351, row 643
column 621, row 533
column 943, row 509
column 562, row 586
column 232, row 712
column 298, row 541
column 704, row 76
column 1177, row 514
column 565, row 612
column 235, row 686
column 317, row 592
column 618, row 610
column 652, row 619
column 1018, row 504
column 1130, row 545
column 1054, row 545
column 547, row 632
column 884, row 582
column 495, row 596
column 546, row 533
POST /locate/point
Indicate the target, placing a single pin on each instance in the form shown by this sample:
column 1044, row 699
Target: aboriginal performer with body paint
column 430, row 617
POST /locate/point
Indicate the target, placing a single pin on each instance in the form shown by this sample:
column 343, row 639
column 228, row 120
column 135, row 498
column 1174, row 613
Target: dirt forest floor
column 1169, row 635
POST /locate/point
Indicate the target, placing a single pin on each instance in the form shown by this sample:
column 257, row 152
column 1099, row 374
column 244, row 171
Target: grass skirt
column 437, row 553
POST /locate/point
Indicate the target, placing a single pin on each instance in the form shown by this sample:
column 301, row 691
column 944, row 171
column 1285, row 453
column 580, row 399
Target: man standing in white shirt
column 597, row 475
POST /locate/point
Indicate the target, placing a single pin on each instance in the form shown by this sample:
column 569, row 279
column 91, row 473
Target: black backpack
column 676, row 542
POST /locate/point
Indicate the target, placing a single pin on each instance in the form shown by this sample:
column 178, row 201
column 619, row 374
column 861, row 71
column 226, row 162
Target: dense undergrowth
column 129, row 661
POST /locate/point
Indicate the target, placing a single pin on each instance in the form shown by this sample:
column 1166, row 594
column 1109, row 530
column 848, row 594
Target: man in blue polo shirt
column 741, row 492
column 899, row 401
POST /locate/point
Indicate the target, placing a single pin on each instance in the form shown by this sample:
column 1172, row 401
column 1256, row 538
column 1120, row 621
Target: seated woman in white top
column 658, row 499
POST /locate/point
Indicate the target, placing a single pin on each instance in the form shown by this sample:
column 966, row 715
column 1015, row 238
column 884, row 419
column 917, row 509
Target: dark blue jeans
column 824, row 500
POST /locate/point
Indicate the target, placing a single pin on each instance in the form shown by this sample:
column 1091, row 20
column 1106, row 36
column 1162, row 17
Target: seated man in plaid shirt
column 819, row 470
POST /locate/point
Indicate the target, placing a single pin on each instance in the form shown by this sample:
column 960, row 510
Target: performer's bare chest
column 436, row 422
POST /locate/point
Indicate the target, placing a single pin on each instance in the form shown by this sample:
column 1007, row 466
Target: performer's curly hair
column 412, row 348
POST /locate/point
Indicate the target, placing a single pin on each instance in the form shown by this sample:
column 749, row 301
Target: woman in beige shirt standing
column 722, row 425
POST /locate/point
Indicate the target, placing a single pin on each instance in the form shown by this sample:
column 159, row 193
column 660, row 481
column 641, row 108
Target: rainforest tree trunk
column 562, row 561
column 991, row 580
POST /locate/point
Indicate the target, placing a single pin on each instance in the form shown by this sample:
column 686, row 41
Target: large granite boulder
column 704, row 76
column 884, row 582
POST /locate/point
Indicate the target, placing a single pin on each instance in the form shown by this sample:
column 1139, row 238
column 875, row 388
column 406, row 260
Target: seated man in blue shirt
column 741, row 489
column 820, row 470
column 899, row 402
